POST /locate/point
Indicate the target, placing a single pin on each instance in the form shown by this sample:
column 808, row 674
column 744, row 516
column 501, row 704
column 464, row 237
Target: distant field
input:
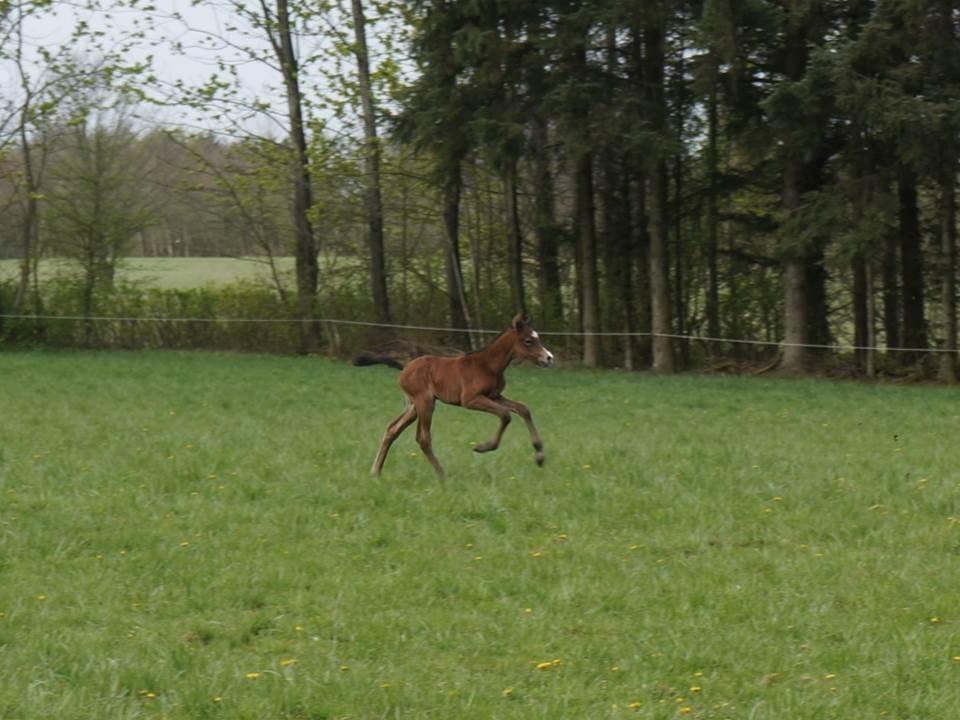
column 172, row 273
column 190, row 536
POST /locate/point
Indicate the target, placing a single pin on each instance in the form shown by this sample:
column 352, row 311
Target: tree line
column 663, row 180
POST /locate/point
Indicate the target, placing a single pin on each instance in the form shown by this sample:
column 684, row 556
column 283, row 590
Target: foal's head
column 528, row 345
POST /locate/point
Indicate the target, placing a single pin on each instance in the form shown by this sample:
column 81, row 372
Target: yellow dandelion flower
column 288, row 662
column 252, row 675
column 934, row 620
column 695, row 688
column 544, row 665
column 41, row 597
column 635, row 705
column 217, row 699
column 344, row 668
column 507, row 692
column 686, row 710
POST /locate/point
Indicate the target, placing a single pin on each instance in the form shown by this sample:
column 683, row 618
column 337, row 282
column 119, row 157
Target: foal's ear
column 520, row 323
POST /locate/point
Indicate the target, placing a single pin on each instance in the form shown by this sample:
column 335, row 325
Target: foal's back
column 446, row 378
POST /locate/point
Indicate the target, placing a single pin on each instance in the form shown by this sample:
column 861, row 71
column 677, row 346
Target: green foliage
column 219, row 304
column 190, row 536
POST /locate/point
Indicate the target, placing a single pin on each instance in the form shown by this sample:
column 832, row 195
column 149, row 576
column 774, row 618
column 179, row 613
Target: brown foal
column 474, row 381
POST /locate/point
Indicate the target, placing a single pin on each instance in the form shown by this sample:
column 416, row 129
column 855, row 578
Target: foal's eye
column 528, row 342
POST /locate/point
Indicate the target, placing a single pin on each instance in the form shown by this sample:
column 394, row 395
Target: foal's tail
column 366, row 359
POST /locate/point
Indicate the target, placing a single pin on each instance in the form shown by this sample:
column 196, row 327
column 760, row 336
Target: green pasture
column 168, row 273
column 189, row 536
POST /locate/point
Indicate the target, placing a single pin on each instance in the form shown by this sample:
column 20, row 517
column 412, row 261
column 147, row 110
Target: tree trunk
column 618, row 254
column 547, row 232
column 914, row 320
column 456, row 295
column 660, row 271
column 514, row 237
column 680, row 275
column 624, row 274
column 587, row 240
column 640, row 252
column 28, row 228
column 860, row 301
column 796, row 298
column 712, row 303
column 680, row 253
column 891, row 296
column 662, row 326
column 871, row 352
column 948, row 269
column 374, row 200
column 307, row 266
column 795, row 356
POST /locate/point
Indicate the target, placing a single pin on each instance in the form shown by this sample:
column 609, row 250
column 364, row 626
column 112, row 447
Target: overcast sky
column 208, row 34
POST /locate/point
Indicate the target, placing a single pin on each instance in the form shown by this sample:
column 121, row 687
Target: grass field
column 169, row 273
column 195, row 536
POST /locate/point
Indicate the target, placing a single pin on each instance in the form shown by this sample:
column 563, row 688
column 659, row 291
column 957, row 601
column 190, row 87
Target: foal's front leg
column 502, row 407
column 485, row 404
column 524, row 412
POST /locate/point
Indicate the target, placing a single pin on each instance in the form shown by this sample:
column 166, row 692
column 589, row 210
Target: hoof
column 484, row 447
column 539, row 458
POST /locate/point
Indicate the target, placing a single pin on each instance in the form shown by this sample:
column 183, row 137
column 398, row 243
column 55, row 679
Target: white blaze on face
column 549, row 354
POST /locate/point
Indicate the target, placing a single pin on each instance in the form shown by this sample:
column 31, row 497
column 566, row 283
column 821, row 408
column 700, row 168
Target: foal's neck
column 499, row 353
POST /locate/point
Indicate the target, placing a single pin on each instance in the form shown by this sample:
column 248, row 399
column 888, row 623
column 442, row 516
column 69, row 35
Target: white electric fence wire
column 431, row 328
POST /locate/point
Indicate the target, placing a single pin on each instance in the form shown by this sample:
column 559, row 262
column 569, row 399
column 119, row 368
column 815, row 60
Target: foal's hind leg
column 424, row 408
column 392, row 432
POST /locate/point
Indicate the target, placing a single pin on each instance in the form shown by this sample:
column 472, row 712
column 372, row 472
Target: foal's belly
column 449, row 380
